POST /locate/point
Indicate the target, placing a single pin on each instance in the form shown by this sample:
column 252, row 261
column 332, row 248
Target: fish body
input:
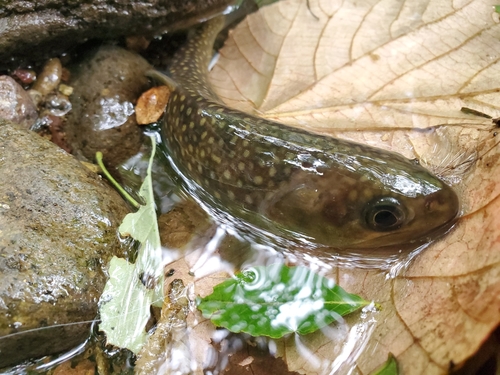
column 291, row 182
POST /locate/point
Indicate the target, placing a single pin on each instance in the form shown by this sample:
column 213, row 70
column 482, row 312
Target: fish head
column 398, row 204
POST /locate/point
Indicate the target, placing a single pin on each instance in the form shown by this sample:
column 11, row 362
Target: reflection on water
column 221, row 244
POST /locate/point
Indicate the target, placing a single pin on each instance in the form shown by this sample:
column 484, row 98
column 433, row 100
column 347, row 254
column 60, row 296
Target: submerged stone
column 106, row 86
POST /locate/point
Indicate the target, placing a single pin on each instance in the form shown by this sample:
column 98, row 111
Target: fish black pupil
column 385, row 214
column 385, row 218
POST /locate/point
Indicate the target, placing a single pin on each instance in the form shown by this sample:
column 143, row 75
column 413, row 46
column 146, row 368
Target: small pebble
column 137, row 43
column 65, row 89
column 57, row 104
column 16, row 104
column 25, row 76
column 49, row 78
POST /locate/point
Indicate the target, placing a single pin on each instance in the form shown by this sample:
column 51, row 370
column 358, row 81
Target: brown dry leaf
column 386, row 67
column 151, row 105
column 181, row 343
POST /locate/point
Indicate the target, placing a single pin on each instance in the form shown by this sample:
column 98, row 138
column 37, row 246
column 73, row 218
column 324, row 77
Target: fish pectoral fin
column 163, row 78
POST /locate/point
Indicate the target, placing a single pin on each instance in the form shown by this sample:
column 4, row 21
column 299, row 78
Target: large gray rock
column 58, row 224
column 55, row 25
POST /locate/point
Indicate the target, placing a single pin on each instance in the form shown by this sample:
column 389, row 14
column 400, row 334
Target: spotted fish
column 290, row 182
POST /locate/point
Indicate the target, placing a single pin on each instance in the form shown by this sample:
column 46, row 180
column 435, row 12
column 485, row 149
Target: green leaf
column 276, row 300
column 132, row 288
column 125, row 306
column 390, row 367
column 143, row 227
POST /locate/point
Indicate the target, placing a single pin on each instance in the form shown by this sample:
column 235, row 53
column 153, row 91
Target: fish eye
column 385, row 214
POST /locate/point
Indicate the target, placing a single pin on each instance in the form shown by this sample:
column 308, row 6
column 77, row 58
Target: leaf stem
column 121, row 190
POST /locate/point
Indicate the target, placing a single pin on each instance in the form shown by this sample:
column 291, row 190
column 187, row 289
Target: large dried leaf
column 373, row 71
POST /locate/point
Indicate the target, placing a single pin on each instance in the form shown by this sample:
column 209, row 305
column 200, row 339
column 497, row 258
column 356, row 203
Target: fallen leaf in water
column 168, row 347
column 390, row 367
column 132, row 288
column 264, row 301
column 373, row 72
column 184, row 342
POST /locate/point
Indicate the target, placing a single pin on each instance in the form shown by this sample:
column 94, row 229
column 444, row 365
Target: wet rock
column 58, row 225
column 105, row 87
column 15, row 103
column 55, row 25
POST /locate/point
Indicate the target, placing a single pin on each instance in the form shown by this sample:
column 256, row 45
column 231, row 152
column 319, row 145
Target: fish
column 289, row 182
